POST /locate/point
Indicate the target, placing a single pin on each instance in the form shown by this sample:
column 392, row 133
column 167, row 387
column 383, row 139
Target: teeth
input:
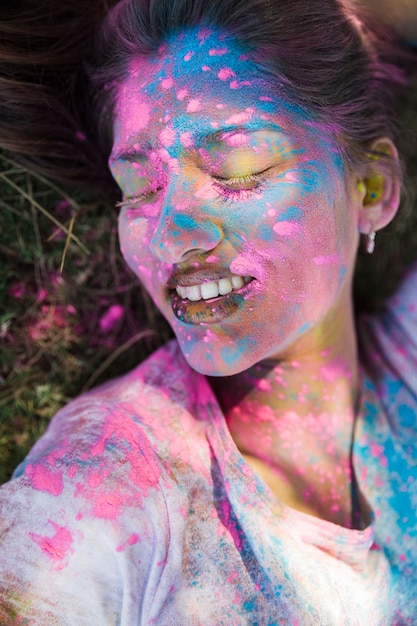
column 225, row 286
column 205, row 291
column 237, row 282
column 209, row 290
column 193, row 293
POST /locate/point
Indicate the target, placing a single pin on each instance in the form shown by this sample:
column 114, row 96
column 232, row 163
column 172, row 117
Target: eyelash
column 136, row 199
column 221, row 185
column 230, row 194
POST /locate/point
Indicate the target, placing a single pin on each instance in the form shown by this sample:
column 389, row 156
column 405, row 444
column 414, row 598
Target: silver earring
column 370, row 241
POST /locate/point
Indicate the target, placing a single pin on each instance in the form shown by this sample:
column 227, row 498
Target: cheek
column 134, row 239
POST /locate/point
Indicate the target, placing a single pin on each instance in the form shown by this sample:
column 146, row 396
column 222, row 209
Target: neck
column 296, row 415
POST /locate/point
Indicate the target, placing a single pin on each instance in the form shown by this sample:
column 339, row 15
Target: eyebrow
column 201, row 139
column 221, row 135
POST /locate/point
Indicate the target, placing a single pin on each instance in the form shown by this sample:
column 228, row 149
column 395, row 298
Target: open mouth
column 210, row 302
column 213, row 289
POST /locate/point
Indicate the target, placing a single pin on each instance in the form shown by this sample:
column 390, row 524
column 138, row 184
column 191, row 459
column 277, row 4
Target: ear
column 379, row 188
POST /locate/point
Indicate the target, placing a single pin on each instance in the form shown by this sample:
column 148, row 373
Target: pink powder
column 286, row 229
column 238, row 598
column 167, row 137
column 57, row 547
column 45, row 478
column 235, row 84
column 188, row 56
column 193, row 106
column 212, row 258
column 135, row 115
column 376, row 450
column 326, row 260
column 167, row 83
column 72, row 470
column 186, row 139
column 182, row 93
column 237, row 140
column 225, row 73
column 108, row 498
column 17, row 290
column 134, row 538
column 217, row 52
column 95, row 479
column 264, row 385
column 42, row 295
column 110, row 318
column 239, row 118
column 203, row 35
column 232, row 577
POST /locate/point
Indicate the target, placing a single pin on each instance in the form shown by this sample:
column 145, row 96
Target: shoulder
column 135, row 411
column 124, row 436
column 89, row 500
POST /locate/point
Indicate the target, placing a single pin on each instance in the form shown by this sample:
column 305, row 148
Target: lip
column 213, row 310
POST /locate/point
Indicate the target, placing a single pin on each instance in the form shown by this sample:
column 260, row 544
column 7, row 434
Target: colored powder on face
column 303, row 166
column 225, row 73
column 187, row 140
column 182, row 93
column 327, row 260
column 292, row 214
column 184, row 221
column 286, row 229
column 231, row 354
column 193, row 106
column 167, row 137
column 217, row 52
column 235, row 84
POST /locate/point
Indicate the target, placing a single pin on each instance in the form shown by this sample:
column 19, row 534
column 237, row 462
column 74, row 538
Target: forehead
column 200, row 80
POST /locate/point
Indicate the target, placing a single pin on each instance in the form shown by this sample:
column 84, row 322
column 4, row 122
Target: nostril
column 191, row 253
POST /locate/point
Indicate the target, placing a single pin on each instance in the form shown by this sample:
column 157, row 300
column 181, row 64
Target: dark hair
column 43, row 116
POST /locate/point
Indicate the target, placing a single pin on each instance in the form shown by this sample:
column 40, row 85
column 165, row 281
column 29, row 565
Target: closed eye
column 146, row 197
column 239, row 188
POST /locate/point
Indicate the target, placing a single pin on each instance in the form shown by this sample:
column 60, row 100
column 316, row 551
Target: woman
column 256, row 471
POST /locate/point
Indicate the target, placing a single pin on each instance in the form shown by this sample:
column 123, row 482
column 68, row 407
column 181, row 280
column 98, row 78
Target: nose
column 184, row 228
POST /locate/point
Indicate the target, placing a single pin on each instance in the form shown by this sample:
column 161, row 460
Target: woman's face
column 239, row 217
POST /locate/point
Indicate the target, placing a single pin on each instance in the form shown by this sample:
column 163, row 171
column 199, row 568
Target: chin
column 218, row 359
